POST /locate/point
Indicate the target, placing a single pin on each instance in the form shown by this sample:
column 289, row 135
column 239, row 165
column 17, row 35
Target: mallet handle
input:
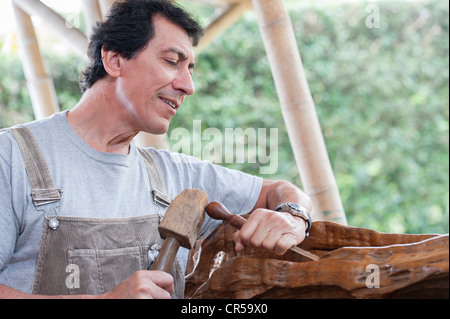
column 217, row 210
column 166, row 256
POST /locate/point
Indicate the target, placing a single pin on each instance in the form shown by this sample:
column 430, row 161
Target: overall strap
column 43, row 190
column 156, row 178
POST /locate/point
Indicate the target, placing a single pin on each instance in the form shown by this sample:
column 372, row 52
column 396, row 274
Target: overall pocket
column 101, row 271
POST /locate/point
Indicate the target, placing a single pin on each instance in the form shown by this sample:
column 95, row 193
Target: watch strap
column 297, row 211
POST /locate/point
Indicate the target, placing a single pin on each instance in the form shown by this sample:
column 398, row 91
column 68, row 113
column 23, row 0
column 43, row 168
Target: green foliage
column 15, row 104
column 381, row 96
column 65, row 72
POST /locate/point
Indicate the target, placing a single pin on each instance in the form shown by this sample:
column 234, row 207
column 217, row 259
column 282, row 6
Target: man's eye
column 172, row 62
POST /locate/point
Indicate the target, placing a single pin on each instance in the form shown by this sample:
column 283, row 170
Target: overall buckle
column 43, row 197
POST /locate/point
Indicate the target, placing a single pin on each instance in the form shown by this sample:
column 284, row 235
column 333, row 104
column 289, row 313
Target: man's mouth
column 171, row 104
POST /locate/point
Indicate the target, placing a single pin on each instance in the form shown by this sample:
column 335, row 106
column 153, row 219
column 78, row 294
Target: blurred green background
column 381, row 94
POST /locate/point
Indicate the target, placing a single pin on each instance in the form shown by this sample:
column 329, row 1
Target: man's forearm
column 10, row 293
column 275, row 193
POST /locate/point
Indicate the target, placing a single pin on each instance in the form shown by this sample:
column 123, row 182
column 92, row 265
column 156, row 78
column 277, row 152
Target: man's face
column 154, row 84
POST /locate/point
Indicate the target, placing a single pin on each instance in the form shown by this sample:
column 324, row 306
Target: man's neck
column 98, row 121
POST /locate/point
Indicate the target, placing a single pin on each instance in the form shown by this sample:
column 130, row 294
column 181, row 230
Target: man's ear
column 112, row 62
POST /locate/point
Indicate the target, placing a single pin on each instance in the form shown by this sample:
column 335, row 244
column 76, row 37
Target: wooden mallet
column 217, row 210
column 180, row 226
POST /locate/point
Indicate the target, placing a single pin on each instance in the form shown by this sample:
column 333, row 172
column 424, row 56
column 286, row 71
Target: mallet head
column 184, row 217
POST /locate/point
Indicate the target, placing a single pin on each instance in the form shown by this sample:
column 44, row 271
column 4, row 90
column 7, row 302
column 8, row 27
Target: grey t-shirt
column 96, row 185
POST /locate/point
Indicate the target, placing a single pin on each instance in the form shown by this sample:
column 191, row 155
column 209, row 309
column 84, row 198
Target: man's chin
column 157, row 128
column 156, row 132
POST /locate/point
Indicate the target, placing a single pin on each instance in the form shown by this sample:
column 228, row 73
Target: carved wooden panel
column 354, row 263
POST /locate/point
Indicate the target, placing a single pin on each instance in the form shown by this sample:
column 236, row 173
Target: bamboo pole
column 222, row 23
column 73, row 37
column 298, row 110
column 105, row 5
column 92, row 14
column 40, row 84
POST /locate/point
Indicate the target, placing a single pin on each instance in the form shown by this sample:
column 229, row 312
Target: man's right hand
column 144, row 284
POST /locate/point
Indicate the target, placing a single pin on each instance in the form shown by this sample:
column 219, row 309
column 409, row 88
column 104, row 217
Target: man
column 94, row 240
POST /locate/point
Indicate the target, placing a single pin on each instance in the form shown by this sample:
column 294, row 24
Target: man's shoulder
column 6, row 143
column 45, row 125
column 38, row 128
column 36, row 125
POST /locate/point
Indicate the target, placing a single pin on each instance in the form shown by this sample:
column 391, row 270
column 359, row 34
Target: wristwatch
column 297, row 211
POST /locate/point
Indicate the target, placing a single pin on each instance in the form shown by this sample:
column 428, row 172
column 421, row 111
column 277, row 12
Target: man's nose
column 185, row 83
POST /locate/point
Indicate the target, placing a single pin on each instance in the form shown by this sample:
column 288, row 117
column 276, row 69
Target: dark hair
column 127, row 30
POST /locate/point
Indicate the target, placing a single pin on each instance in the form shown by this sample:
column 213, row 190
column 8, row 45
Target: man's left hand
column 273, row 231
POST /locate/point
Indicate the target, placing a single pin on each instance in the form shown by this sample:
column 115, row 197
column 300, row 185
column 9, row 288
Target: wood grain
column 408, row 266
